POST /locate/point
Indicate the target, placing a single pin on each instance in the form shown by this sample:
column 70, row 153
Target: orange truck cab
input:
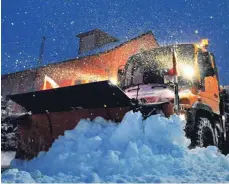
column 200, row 98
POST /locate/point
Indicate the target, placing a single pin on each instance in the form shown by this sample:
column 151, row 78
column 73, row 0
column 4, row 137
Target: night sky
column 25, row 22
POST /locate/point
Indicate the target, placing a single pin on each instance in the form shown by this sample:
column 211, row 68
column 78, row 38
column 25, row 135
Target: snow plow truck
column 181, row 79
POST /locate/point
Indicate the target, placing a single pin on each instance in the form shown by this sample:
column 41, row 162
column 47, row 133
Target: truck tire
column 204, row 133
column 226, row 112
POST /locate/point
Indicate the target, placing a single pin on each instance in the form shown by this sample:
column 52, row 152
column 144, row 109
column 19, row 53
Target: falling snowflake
column 72, row 22
column 12, row 23
column 196, row 31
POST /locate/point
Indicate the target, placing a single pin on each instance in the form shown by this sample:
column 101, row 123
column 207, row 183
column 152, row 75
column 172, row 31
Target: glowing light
column 187, row 71
column 204, row 43
column 113, row 81
column 49, row 83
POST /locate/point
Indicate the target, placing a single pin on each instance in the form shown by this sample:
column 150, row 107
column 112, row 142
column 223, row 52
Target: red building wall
column 98, row 67
column 87, row 69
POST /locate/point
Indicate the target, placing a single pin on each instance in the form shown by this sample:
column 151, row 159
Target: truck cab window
column 152, row 77
column 205, row 65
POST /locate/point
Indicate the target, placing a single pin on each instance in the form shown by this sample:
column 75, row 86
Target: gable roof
column 112, row 46
column 107, row 48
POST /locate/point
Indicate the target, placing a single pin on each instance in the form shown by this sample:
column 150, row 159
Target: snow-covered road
column 6, row 158
column 151, row 150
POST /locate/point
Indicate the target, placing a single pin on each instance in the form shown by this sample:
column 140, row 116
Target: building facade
column 88, row 67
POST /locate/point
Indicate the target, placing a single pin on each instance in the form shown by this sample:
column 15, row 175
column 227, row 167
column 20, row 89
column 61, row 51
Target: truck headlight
column 188, row 71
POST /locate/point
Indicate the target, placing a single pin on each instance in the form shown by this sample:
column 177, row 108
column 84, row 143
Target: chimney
column 94, row 39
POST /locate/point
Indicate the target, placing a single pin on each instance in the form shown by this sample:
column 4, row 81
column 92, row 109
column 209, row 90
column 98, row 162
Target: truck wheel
column 226, row 150
column 204, row 133
column 218, row 134
column 226, row 111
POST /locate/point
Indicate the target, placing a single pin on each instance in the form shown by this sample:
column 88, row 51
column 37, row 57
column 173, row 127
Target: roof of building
column 107, row 48
column 111, row 46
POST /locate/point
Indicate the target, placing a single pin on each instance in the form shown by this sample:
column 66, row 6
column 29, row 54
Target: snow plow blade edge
column 85, row 96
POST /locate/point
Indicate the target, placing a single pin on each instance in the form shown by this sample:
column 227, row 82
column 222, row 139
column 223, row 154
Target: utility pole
column 41, row 51
column 39, row 61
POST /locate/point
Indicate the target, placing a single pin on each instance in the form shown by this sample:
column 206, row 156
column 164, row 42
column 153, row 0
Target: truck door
column 209, row 86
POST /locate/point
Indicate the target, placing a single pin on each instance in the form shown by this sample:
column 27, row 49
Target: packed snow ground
column 151, row 150
column 7, row 157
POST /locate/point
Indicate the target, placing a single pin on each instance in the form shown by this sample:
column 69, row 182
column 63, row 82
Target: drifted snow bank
column 7, row 157
column 151, row 150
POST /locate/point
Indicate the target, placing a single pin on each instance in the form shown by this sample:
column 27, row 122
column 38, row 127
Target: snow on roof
column 111, row 46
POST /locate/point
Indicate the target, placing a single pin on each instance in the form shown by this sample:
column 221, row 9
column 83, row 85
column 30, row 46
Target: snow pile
column 151, row 150
column 7, row 157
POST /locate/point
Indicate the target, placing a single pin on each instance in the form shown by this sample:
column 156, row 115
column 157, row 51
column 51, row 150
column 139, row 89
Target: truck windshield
column 148, row 66
column 152, row 77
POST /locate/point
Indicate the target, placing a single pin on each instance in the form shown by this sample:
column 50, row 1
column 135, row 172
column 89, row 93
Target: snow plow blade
column 85, row 96
column 57, row 110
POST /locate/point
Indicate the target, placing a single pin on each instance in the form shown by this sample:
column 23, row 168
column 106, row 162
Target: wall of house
column 94, row 68
column 19, row 82
column 98, row 67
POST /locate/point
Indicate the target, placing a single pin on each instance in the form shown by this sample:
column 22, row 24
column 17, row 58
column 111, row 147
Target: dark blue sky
column 25, row 22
